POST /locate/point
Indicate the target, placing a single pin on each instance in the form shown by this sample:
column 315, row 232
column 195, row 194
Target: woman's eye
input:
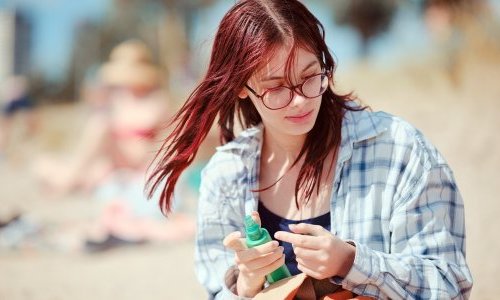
column 273, row 87
column 311, row 74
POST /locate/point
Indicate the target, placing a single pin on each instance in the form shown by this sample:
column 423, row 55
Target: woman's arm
column 427, row 255
column 218, row 216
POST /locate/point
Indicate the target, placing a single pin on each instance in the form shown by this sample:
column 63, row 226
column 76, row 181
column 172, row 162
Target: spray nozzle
column 252, row 228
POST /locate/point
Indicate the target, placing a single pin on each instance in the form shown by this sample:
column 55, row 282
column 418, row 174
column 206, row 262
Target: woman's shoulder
column 237, row 156
column 395, row 131
column 365, row 124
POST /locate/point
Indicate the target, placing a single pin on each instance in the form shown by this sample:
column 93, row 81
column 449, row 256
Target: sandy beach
column 461, row 119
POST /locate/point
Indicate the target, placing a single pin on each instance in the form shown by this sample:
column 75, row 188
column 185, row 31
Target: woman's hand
column 319, row 253
column 254, row 263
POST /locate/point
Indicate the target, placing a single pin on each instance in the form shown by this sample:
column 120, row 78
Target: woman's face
column 299, row 116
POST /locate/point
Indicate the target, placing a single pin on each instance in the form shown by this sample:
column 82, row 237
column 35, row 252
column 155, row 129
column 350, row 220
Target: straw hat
column 130, row 64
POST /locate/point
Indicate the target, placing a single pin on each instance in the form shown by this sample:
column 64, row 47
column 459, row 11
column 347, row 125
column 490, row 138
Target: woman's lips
column 301, row 117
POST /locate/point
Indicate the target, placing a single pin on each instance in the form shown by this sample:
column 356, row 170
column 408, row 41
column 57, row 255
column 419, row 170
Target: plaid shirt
column 394, row 197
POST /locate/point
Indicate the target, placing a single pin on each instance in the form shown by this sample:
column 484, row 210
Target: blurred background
column 86, row 87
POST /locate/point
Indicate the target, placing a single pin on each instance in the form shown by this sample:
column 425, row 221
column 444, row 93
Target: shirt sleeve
column 217, row 217
column 427, row 255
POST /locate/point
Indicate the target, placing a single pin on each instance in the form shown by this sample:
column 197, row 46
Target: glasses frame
column 293, row 89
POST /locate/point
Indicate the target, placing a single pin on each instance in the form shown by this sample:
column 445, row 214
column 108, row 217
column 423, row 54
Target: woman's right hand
column 254, row 263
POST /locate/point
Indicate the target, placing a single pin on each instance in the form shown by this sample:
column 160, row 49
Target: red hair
column 248, row 35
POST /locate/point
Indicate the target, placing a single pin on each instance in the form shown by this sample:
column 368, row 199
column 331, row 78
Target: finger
column 306, row 253
column 297, row 240
column 304, row 228
column 309, row 272
column 261, row 262
column 271, row 267
column 234, row 241
column 253, row 253
column 256, row 217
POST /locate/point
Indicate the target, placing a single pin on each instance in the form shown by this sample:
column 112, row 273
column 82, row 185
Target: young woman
column 357, row 197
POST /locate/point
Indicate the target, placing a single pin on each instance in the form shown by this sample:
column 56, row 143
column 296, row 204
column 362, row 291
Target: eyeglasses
column 281, row 96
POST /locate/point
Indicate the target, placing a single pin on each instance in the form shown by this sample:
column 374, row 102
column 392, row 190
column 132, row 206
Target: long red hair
column 248, row 35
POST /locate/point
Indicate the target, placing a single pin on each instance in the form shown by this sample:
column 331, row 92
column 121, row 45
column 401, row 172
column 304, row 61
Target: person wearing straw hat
column 127, row 112
column 114, row 151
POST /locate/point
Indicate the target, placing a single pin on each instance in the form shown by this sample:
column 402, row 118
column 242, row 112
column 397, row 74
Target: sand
column 462, row 119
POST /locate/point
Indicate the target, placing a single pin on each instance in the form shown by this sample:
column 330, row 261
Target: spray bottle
column 255, row 236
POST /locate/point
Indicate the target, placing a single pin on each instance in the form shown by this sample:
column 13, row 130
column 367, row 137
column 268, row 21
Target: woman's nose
column 297, row 99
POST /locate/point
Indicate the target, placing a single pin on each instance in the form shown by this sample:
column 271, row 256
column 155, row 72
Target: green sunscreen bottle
column 256, row 236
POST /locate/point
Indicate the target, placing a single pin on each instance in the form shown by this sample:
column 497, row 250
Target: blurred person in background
column 369, row 18
column 128, row 107
column 15, row 101
column 456, row 26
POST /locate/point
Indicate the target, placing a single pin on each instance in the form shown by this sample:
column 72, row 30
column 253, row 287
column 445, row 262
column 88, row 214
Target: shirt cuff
column 229, row 291
column 361, row 271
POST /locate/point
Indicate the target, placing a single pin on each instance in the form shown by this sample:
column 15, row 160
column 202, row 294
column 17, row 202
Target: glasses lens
column 277, row 98
column 315, row 86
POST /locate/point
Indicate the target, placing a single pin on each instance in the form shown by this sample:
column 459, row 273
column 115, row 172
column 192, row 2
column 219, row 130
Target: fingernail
column 292, row 226
column 277, row 235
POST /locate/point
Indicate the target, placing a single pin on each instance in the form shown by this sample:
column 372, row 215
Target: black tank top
column 273, row 223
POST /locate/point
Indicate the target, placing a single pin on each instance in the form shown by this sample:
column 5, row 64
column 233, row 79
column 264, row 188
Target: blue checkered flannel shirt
column 394, row 197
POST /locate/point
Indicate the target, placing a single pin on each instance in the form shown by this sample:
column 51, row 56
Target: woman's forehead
column 275, row 65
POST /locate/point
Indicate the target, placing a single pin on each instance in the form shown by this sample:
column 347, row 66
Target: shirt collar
column 247, row 142
column 359, row 126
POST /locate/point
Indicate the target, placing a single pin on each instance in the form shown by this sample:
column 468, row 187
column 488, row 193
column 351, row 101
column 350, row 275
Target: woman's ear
column 243, row 94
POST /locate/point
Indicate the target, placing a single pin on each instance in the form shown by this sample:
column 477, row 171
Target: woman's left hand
column 319, row 253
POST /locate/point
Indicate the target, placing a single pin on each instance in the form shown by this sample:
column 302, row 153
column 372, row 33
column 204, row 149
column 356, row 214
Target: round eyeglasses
column 281, row 96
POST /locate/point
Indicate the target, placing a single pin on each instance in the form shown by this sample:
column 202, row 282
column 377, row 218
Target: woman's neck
column 285, row 148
